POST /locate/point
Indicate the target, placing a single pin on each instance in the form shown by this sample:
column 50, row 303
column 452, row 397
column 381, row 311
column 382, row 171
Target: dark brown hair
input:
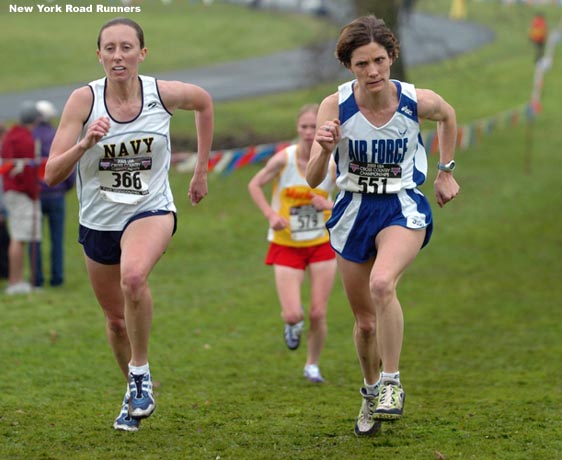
column 362, row 31
column 125, row 22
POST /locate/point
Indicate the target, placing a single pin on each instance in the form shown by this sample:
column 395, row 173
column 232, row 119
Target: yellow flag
column 458, row 9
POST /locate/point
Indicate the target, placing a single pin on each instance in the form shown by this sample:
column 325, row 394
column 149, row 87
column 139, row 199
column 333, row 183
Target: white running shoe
column 18, row 288
column 312, row 373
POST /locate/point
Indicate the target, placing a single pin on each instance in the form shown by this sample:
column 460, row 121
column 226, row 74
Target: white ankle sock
column 139, row 370
column 391, row 376
column 372, row 389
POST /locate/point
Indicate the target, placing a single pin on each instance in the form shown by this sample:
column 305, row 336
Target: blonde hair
column 307, row 108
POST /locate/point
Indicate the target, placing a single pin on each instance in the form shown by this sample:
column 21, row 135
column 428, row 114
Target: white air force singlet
column 379, row 170
column 380, row 160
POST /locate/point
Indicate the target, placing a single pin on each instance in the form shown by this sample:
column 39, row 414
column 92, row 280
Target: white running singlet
column 126, row 172
column 385, row 159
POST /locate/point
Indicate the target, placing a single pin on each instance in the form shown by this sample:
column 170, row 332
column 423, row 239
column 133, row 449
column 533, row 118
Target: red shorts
column 298, row 258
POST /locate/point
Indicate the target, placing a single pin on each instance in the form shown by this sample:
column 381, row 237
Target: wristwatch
column 447, row 167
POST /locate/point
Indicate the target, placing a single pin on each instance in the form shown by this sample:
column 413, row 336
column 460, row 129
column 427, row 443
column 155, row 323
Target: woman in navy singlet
column 127, row 213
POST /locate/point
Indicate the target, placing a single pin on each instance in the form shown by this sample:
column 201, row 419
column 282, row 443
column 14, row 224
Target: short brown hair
column 362, row 31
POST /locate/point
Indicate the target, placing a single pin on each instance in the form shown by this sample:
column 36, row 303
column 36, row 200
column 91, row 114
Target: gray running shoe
column 366, row 425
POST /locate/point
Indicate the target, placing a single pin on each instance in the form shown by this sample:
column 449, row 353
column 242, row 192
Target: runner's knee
column 382, row 287
column 133, row 284
column 116, row 326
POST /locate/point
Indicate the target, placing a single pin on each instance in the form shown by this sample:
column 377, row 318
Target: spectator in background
column 4, row 235
column 538, row 33
column 21, row 195
column 53, row 203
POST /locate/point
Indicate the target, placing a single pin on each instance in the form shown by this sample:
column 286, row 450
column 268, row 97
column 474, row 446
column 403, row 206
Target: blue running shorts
column 357, row 218
column 104, row 247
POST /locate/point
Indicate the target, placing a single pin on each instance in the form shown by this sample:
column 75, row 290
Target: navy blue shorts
column 357, row 219
column 104, row 247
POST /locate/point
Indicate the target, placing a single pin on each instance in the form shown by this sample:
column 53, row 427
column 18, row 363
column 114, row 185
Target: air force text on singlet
column 390, row 151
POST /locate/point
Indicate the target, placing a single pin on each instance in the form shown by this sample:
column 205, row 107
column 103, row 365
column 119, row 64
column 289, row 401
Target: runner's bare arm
column 328, row 134
column 66, row 150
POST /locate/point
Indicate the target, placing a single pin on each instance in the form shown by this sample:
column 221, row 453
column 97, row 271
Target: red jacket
column 538, row 30
column 19, row 143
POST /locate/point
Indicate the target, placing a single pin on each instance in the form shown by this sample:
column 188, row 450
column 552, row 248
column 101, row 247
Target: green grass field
column 481, row 357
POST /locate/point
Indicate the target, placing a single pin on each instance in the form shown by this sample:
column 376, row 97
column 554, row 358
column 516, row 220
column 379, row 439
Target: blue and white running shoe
column 124, row 422
column 141, row 402
column 293, row 335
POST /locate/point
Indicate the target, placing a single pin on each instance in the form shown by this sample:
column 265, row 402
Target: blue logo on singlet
column 385, row 151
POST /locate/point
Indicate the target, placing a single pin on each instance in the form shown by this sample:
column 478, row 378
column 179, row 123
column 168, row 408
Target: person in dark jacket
column 53, row 203
column 21, row 195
